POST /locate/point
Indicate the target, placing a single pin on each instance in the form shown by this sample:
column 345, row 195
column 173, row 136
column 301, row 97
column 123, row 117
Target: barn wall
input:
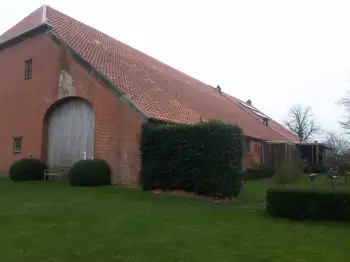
column 253, row 159
column 24, row 104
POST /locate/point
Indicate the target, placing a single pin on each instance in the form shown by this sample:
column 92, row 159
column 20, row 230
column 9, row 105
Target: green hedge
column 259, row 173
column 315, row 168
column 90, row 172
column 204, row 158
column 27, row 169
column 312, row 204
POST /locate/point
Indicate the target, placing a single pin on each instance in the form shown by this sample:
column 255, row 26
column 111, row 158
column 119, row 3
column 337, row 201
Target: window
column 246, row 146
column 28, row 69
column 17, row 144
column 255, row 111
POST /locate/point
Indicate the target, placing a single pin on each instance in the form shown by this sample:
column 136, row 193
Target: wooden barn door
column 71, row 133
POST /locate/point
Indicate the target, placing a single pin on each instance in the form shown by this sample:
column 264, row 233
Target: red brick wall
column 23, row 104
column 253, row 159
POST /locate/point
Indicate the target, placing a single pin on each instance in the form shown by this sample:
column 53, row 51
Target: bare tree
column 345, row 102
column 338, row 142
column 341, row 154
column 301, row 121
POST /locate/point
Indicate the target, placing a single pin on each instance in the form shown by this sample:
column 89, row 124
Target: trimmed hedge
column 204, row 158
column 259, row 173
column 27, row 169
column 298, row 204
column 90, row 172
column 315, row 168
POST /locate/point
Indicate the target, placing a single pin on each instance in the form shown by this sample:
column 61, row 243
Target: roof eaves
column 280, row 142
column 268, row 126
column 100, row 77
column 40, row 28
column 314, row 144
column 254, row 116
column 164, row 122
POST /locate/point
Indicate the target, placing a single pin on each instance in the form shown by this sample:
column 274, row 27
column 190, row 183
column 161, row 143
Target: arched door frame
column 49, row 112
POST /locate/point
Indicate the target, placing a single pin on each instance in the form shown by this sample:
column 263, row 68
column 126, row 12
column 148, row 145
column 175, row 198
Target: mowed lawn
column 47, row 221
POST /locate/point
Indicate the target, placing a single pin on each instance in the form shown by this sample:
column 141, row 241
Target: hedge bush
column 90, row 172
column 27, row 169
column 315, row 168
column 259, row 173
column 312, row 204
column 204, row 158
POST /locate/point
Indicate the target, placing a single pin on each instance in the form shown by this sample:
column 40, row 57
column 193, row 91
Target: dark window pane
column 17, row 144
column 28, row 69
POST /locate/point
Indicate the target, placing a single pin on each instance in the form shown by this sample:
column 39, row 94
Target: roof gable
column 31, row 21
column 161, row 91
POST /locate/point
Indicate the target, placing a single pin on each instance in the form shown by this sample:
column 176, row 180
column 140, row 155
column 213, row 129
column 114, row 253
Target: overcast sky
column 276, row 53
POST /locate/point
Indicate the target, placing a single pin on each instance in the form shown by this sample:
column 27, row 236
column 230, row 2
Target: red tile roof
column 161, row 91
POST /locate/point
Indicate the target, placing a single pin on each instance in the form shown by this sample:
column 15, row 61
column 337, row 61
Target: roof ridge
column 43, row 15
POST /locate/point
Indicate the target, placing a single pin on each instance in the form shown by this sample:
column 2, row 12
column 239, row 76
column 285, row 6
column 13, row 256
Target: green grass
column 46, row 221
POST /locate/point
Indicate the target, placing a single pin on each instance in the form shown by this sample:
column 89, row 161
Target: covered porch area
column 314, row 153
column 275, row 152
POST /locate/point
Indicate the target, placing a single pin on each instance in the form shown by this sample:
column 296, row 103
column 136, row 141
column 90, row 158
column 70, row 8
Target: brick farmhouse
column 69, row 92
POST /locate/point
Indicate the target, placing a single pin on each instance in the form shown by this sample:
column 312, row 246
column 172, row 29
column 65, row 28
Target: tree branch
column 300, row 121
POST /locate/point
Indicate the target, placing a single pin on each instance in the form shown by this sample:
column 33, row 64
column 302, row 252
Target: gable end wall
column 25, row 102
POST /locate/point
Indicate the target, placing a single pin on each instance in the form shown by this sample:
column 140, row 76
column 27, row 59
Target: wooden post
column 275, row 155
column 285, row 152
column 346, row 177
column 317, row 153
column 312, row 153
column 324, row 155
column 270, row 154
column 262, row 153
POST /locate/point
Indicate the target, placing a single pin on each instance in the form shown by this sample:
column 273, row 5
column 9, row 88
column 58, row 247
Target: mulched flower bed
column 183, row 193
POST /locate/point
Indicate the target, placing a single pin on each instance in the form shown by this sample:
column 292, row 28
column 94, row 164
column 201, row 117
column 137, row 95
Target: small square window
column 28, row 66
column 17, row 144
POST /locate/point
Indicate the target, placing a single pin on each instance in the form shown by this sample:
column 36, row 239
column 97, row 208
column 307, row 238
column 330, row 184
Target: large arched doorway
column 70, row 133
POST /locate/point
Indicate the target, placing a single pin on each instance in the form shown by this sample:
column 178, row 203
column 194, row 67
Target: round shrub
column 90, row 172
column 27, row 169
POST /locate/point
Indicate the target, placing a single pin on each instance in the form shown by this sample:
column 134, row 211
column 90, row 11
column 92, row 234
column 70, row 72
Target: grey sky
column 277, row 53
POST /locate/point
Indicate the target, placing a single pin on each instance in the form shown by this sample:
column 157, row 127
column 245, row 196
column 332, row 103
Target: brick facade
column 117, row 129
